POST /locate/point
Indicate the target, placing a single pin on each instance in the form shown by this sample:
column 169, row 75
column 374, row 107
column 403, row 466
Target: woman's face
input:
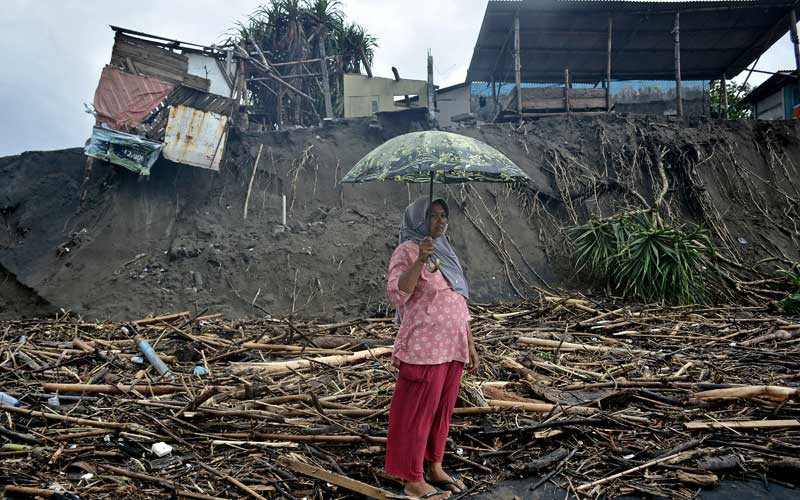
column 438, row 220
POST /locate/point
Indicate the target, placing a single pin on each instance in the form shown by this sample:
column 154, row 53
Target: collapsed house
column 159, row 96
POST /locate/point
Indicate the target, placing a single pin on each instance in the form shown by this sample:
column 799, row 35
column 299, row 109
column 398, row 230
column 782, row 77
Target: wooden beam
column 678, row 95
column 723, row 102
column 795, row 41
column 326, row 84
column 337, row 479
column 366, row 63
column 608, row 65
column 430, row 89
column 517, row 68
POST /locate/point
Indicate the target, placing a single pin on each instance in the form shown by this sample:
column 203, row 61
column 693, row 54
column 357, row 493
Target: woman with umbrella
column 434, row 343
column 431, row 349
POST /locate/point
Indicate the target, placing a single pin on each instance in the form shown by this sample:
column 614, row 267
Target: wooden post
column 431, row 103
column 366, row 63
column 678, row 95
column 795, row 42
column 608, row 66
column 517, row 68
column 279, row 108
column 326, row 84
column 724, row 98
column 566, row 90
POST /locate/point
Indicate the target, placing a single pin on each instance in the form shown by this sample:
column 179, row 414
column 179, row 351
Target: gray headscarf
column 415, row 228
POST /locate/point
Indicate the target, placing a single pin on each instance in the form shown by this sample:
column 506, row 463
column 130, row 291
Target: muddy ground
column 178, row 239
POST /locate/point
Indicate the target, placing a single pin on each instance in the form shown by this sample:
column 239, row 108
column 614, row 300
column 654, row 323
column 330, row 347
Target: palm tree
column 291, row 30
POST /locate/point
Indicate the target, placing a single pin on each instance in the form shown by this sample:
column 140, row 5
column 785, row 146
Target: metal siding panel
column 195, row 137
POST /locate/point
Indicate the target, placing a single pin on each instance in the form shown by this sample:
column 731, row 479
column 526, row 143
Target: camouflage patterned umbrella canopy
column 433, row 156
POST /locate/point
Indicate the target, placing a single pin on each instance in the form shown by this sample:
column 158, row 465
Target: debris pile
column 600, row 399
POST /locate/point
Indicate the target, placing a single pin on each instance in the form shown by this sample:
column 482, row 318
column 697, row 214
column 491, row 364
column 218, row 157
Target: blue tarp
column 126, row 150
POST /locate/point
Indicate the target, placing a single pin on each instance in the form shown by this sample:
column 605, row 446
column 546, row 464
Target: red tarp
column 122, row 99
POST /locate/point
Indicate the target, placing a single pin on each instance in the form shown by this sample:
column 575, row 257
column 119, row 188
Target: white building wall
column 451, row 103
column 207, row 67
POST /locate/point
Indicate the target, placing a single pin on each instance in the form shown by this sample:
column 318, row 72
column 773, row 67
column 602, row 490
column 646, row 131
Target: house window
column 374, row 106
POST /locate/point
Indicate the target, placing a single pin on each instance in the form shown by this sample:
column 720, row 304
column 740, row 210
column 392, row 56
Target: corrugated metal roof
column 770, row 86
column 717, row 36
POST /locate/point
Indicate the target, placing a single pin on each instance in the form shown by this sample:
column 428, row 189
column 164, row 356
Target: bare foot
column 420, row 488
column 437, row 475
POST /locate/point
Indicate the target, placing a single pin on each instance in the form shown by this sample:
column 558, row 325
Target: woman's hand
column 425, row 249
column 474, row 359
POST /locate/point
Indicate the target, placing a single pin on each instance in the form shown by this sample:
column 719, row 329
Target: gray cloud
column 52, row 51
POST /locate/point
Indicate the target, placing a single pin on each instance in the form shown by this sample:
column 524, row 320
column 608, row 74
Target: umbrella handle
column 432, row 265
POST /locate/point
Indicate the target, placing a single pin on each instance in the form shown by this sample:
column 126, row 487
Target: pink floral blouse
column 435, row 319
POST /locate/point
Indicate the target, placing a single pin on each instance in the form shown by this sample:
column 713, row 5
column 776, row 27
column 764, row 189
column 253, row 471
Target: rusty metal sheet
column 195, row 137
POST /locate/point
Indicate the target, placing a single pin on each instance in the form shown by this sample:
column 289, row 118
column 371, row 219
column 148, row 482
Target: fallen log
column 722, row 464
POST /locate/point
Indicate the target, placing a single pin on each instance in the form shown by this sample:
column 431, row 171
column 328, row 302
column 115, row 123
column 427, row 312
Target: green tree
column 737, row 110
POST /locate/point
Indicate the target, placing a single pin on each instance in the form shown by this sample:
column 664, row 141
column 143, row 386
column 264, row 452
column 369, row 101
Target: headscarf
column 415, row 228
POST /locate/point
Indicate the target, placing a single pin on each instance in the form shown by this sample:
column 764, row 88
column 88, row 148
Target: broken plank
column 338, row 480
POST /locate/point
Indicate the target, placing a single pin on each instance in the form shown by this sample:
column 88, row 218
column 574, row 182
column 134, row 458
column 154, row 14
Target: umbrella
column 434, row 156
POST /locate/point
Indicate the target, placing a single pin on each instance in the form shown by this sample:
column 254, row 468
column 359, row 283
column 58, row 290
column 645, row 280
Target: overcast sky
column 52, row 51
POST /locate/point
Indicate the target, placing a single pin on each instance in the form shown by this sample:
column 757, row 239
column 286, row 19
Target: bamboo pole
column 252, row 176
column 298, row 364
column 678, row 94
column 749, row 424
column 326, row 84
column 566, row 90
column 586, row 486
column 774, row 392
column 569, row 346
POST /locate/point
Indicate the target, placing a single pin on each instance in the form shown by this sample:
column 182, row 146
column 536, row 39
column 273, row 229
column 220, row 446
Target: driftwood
column 650, row 392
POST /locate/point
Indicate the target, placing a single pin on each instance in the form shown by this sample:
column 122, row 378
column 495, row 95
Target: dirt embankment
column 178, row 240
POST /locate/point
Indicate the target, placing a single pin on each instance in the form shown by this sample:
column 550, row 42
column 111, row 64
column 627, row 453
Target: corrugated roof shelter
column 775, row 98
column 716, row 38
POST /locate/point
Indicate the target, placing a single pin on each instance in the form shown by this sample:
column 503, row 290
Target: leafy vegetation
column 737, row 110
column 640, row 256
column 292, row 30
column 791, row 303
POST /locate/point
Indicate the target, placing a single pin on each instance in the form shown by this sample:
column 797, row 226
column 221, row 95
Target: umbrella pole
column 430, row 207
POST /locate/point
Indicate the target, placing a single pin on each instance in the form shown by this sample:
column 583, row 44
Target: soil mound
column 178, row 240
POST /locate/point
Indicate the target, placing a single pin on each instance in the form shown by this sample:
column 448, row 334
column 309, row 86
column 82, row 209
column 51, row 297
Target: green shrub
column 642, row 257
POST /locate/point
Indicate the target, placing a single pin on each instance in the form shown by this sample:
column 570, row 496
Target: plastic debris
column 9, row 400
column 152, row 357
column 161, row 449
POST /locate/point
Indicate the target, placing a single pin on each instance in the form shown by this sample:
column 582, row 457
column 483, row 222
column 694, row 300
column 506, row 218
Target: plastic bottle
column 7, row 400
